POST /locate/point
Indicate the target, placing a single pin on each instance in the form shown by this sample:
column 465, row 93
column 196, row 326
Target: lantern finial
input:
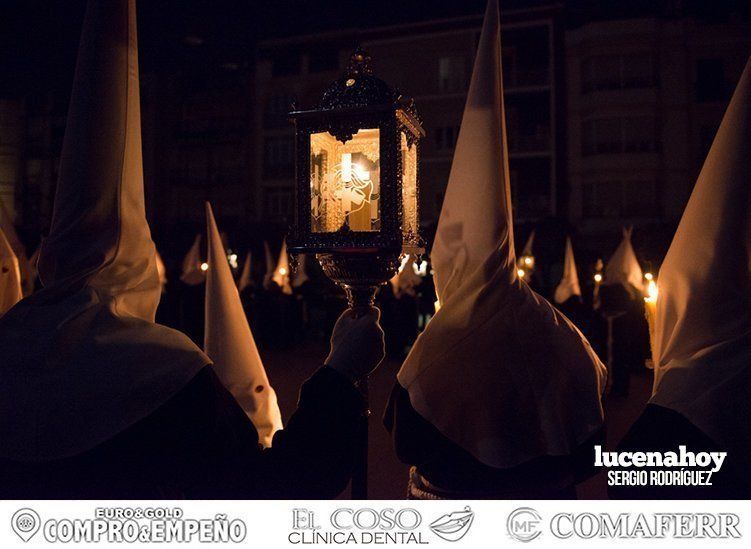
column 359, row 63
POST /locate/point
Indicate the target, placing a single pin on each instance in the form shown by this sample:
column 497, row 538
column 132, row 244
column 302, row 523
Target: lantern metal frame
column 354, row 102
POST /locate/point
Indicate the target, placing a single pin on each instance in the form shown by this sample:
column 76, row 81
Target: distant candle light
column 598, row 277
column 204, row 267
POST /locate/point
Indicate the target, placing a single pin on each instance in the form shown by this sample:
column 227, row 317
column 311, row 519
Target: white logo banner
column 285, row 524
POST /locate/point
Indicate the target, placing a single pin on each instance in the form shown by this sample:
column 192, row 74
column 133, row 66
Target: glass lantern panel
column 345, row 182
column 409, row 186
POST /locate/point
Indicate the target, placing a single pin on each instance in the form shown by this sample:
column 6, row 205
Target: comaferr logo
column 453, row 526
column 646, row 526
column 524, row 524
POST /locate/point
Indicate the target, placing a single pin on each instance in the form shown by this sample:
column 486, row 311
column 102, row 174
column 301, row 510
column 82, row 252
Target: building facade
column 645, row 98
column 609, row 116
column 431, row 62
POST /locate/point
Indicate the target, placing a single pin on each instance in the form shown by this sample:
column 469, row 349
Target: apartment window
column 618, row 72
column 445, row 137
column 620, row 135
column 451, row 74
column 278, row 158
column 278, row 202
column 526, row 56
column 619, row 199
column 710, row 80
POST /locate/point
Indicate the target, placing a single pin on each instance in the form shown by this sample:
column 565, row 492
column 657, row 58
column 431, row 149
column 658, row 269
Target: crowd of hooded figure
column 500, row 395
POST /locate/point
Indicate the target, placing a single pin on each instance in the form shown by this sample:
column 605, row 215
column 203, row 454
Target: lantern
column 357, row 192
column 357, row 181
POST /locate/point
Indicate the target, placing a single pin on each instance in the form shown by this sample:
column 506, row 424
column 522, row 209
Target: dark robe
column 200, row 444
column 662, row 429
column 443, row 469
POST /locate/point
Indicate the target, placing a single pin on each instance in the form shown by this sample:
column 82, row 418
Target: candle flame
column 652, row 292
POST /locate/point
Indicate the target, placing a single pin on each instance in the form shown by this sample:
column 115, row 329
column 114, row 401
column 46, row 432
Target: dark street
column 287, row 369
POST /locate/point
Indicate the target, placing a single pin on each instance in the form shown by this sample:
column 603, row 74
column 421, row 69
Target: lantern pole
column 360, row 275
column 360, row 297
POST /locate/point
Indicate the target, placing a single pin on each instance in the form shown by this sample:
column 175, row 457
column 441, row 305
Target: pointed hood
column 83, row 353
column 528, row 246
column 161, row 269
column 623, row 268
column 246, row 279
column 569, row 284
column 99, row 236
column 475, row 220
column 405, row 281
column 27, row 270
column 498, row 370
column 10, row 276
column 281, row 272
column 268, row 276
column 702, row 339
column 230, row 344
column 192, row 274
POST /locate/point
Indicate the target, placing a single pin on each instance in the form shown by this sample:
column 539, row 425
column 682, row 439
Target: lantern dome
column 358, row 88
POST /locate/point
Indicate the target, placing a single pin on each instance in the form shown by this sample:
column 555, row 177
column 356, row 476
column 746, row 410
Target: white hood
column 10, row 276
column 406, row 280
column 623, row 268
column 702, row 339
column 281, row 272
column 498, row 370
column 161, row 270
column 25, row 267
column 528, row 246
column 569, row 284
column 192, row 274
column 245, row 280
column 230, row 344
column 268, row 276
column 82, row 358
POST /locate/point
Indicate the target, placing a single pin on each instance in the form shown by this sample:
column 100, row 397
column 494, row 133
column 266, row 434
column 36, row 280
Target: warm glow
column 204, row 267
column 421, row 268
column 521, row 273
column 528, row 260
column 598, row 277
column 282, row 271
column 233, row 260
column 403, row 264
column 345, row 182
column 648, row 276
column 437, row 305
column 651, row 292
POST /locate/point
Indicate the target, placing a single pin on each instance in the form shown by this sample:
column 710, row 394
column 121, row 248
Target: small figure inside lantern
column 345, row 182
